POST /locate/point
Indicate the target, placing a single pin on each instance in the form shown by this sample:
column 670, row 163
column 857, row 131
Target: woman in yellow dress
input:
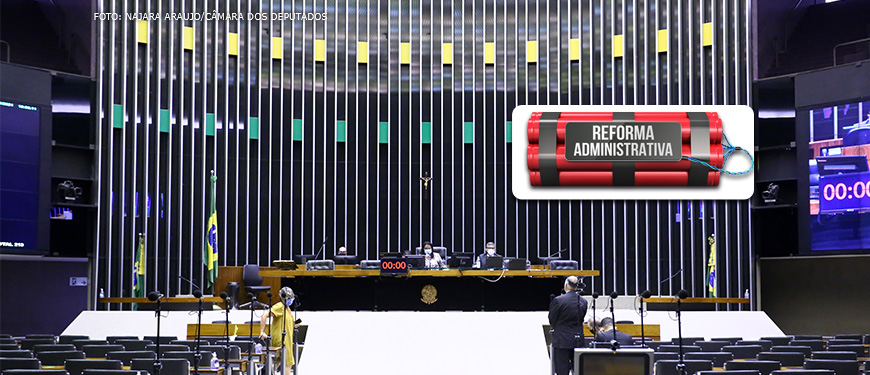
column 280, row 322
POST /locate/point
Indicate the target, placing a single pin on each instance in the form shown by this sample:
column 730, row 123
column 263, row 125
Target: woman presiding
column 280, row 323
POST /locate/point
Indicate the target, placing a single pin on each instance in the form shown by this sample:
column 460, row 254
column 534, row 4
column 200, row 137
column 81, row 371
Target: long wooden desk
column 695, row 300
column 162, row 300
column 449, row 272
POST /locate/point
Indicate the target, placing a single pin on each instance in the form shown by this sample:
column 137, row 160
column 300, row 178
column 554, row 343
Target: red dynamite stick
column 641, row 178
column 564, row 164
column 681, row 117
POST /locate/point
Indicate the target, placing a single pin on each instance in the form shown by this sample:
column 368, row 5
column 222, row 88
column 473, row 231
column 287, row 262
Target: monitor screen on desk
column 346, row 259
column 609, row 362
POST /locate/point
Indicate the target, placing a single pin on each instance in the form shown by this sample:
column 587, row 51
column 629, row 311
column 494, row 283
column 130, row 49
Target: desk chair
column 16, row 354
column 839, row 367
column 171, row 366
column 743, row 351
column 68, row 339
column 114, row 339
column 805, row 350
column 76, row 366
column 786, row 359
column 52, row 348
column 99, row 351
column 58, row 358
column 127, row 357
column 712, row 346
column 669, row 367
column 843, row 356
column 718, row 358
column 765, row 367
column 765, row 344
column 81, row 343
column 254, row 284
column 134, row 345
column 35, row 372
column 19, row 363
column 778, row 341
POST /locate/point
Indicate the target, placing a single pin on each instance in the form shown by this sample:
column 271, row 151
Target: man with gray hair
column 607, row 333
column 489, row 251
column 566, row 319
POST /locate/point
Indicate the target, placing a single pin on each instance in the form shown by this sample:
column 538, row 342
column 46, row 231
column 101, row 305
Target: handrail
column 846, row 44
column 8, row 50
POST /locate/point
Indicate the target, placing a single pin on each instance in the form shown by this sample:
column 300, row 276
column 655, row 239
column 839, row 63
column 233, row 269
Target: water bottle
column 746, row 294
column 102, row 294
column 215, row 364
column 259, row 348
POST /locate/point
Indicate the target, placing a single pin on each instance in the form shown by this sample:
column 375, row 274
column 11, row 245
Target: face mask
column 289, row 301
column 490, row 251
column 428, row 251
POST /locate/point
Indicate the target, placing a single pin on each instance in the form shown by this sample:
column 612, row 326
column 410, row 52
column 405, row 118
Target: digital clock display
column 846, row 192
column 394, row 266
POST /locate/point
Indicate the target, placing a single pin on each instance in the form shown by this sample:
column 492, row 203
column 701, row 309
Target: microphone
column 269, row 295
column 191, row 282
column 614, row 294
column 197, row 293
column 594, row 295
column 557, row 253
column 682, row 294
column 321, row 247
column 224, row 295
column 298, row 321
column 671, row 277
column 154, row 296
column 646, row 294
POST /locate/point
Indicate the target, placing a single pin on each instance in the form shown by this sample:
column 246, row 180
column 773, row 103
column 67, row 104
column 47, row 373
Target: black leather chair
column 127, row 357
column 731, row 340
column 656, row 344
column 35, row 372
column 28, row 344
column 686, row 340
column 133, row 345
column 40, row 336
column 19, row 363
column 718, row 358
column 16, row 354
column 191, row 344
column 803, row 372
column 76, row 366
column 789, row 359
column 743, row 351
column 171, row 366
column 732, row 372
column 164, row 348
column 235, row 351
column 68, row 339
column 816, row 345
column 81, row 343
column 859, row 349
column 778, row 341
column 204, row 361
column 9, row 346
column 163, row 339
column 765, row 367
column 8, row 341
column 844, row 342
column 5, row 336
column 839, row 367
column 805, row 350
column 99, row 351
column 52, row 348
column 244, row 346
column 658, row 356
column 676, row 348
column 93, row 371
column 712, row 346
column 254, row 283
column 764, row 344
column 625, row 322
column 843, row 356
column 808, row 337
column 58, row 358
column 669, row 367
column 345, row 259
column 114, row 339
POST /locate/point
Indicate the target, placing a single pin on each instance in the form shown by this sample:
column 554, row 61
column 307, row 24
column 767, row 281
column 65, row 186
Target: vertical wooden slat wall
column 310, row 147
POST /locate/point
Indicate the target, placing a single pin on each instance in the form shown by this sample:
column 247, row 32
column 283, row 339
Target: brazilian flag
column 139, row 271
column 711, row 268
column 210, row 252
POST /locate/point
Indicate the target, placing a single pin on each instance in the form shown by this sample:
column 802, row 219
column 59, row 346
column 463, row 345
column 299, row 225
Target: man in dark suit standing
column 606, row 333
column 566, row 318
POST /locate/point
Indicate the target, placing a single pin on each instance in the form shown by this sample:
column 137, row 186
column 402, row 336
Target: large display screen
column 20, row 153
column 839, row 180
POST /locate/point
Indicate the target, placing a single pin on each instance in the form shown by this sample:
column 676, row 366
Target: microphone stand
column 251, row 334
column 227, row 334
column 269, row 336
column 197, row 355
column 642, row 336
column 594, row 322
column 613, row 343
column 681, row 366
column 284, row 338
column 157, row 364
column 295, row 341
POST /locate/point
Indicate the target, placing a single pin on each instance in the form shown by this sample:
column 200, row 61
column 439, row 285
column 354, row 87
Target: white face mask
column 428, row 251
column 490, row 251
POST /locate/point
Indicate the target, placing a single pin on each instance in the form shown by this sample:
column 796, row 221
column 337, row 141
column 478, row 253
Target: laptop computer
column 494, row 262
column 416, row 261
column 516, row 264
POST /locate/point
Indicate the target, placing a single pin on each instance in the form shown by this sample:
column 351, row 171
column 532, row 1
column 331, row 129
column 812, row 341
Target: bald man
column 566, row 319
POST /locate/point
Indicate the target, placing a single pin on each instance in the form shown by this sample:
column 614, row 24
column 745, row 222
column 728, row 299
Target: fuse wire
column 728, row 149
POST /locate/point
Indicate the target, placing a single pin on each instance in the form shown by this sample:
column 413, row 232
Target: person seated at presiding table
column 433, row 259
column 489, row 251
column 604, row 332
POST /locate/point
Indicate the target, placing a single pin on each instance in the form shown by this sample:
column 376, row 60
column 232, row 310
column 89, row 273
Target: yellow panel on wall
column 277, row 47
column 187, row 37
column 362, row 52
column 233, row 44
column 489, row 53
column 707, row 34
column 447, row 53
column 142, row 31
column 319, row 50
column 663, row 40
column 574, row 49
column 532, row 51
column 404, row 53
column 617, row 46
